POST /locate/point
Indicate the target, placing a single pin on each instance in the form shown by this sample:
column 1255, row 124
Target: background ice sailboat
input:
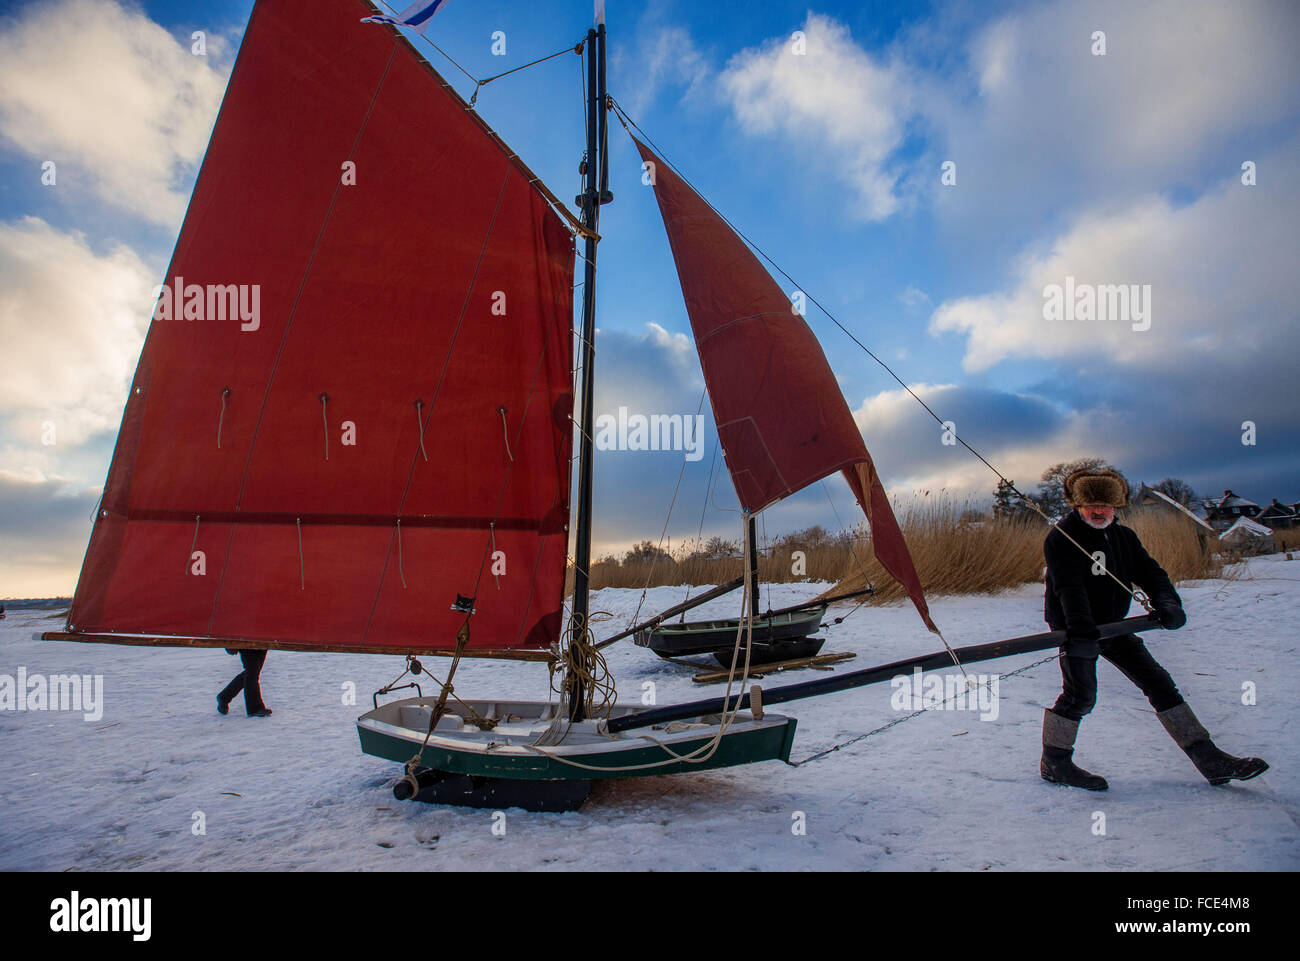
column 343, row 470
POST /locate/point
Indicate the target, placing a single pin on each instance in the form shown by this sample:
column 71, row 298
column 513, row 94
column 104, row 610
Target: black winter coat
column 1077, row 600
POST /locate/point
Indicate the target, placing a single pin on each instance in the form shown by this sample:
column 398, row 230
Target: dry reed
column 956, row 551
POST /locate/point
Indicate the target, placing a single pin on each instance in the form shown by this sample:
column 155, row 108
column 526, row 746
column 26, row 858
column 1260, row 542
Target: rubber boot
column 1216, row 766
column 1058, row 750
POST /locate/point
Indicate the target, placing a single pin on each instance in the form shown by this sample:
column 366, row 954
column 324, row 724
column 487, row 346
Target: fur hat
column 1102, row 488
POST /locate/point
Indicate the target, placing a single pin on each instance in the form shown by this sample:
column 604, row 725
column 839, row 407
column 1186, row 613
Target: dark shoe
column 263, row 712
column 223, row 707
column 1217, row 767
column 1057, row 765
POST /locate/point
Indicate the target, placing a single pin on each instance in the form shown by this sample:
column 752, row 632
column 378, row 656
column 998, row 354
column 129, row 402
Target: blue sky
column 1123, row 168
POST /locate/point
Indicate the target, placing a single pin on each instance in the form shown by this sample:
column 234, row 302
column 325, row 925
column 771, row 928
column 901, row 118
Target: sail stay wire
column 1138, row 595
column 479, row 84
column 575, row 225
column 854, row 554
column 654, row 559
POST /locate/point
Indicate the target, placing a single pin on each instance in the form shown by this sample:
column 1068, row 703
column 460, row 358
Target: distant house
column 1150, row 499
column 1279, row 516
column 1247, row 537
column 1223, row 512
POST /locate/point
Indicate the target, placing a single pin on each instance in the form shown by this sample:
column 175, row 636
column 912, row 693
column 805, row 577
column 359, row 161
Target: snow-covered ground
column 945, row 790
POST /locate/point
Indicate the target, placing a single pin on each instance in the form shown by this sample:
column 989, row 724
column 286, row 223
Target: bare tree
column 1176, row 490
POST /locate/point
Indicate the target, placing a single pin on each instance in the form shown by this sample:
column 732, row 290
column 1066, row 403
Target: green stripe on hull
column 768, row 744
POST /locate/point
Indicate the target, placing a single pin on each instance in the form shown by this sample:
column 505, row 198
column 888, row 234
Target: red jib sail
column 353, row 404
column 781, row 418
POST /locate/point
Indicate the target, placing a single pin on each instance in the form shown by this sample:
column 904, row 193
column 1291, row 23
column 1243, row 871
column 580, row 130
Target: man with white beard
column 1082, row 593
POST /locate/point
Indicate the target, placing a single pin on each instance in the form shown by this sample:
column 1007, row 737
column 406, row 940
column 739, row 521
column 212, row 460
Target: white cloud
column 109, row 95
column 835, row 98
column 1220, row 271
column 663, row 56
column 72, row 322
column 1035, row 123
column 1042, row 125
column 914, row 299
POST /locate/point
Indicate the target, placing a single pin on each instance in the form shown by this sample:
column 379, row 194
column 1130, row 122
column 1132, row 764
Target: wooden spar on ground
column 819, row 662
column 819, row 601
column 659, row 618
column 873, row 675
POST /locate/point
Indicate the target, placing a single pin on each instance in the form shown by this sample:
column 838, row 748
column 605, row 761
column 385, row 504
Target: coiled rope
column 744, row 629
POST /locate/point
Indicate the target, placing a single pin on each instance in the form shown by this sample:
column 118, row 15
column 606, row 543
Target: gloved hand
column 1171, row 616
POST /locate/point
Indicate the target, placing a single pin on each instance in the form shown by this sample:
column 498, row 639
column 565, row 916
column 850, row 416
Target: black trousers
column 1130, row 655
column 247, row 680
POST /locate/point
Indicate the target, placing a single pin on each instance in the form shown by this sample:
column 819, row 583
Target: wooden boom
column 873, row 675
column 662, row 616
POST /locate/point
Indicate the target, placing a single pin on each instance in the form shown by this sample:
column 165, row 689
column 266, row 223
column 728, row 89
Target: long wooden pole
column 662, row 616
column 873, row 675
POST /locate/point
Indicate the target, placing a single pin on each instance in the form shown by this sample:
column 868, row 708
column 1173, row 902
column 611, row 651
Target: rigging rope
column 220, row 420
column 577, row 48
column 302, row 571
column 699, row 534
column 744, row 628
column 505, row 432
column 462, row 635
column 419, row 423
column 908, row 717
column 400, row 570
column 654, row 558
column 324, row 401
column 189, row 560
column 1139, row 595
column 478, row 84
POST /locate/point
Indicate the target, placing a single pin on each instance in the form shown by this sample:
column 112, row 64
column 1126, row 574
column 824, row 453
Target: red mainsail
column 392, row 429
column 781, row 418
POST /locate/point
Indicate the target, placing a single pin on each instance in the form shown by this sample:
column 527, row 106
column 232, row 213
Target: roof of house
column 1229, row 499
column 1278, row 509
column 1144, row 490
column 1245, row 527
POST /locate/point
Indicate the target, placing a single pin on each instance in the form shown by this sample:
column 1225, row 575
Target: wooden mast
column 595, row 192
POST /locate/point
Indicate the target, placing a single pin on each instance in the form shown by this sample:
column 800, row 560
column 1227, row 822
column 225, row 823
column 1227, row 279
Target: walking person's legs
column 229, row 693
column 1061, row 725
column 1131, row 656
column 253, row 661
